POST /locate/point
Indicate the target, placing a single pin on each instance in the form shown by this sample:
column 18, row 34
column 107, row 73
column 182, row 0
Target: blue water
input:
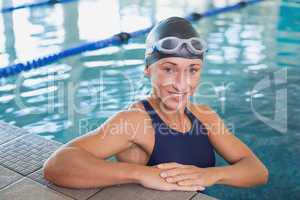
column 251, row 75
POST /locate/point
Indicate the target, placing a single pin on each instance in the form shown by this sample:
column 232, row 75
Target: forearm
column 75, row 168
column 245, row 173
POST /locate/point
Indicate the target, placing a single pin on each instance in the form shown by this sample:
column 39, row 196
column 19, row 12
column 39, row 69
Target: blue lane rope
column 33, row 5
column 197, row 16
column 117, row 39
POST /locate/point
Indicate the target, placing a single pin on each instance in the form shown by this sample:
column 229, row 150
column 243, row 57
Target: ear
column 147, row 71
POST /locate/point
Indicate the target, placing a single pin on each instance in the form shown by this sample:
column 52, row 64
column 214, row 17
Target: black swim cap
column 173, row 26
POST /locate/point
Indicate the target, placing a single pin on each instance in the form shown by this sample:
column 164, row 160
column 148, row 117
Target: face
column 174, row 80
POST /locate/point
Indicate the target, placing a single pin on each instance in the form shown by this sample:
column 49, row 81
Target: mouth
column 179, row 94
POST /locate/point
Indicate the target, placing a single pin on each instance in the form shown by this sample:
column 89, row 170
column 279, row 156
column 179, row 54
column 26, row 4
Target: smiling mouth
column 178, row 93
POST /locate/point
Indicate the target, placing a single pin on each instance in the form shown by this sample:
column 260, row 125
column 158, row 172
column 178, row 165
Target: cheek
column 162, row 80
column 161, row 85
column 194, row 83
column 156, row 80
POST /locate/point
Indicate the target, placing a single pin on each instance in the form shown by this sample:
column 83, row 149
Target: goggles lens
column 169, row 43
column 197, row 44
column 172, row 44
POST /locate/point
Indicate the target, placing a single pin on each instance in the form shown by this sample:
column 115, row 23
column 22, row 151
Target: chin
column 173, row 102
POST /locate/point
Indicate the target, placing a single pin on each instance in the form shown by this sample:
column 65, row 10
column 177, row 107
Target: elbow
column 265, row 175
column 261, row 173
column 54, row 168
column 52, row 174
column 262, row 176
column 49, row 172
column 57, row 169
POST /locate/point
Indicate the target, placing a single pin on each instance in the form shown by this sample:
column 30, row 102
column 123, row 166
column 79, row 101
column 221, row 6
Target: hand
column 150, row 178
column 188, row 175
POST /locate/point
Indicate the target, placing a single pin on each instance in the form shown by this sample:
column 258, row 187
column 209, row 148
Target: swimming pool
column 251, row 75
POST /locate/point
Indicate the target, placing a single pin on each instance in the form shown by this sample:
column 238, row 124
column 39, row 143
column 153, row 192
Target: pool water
column 251, row 75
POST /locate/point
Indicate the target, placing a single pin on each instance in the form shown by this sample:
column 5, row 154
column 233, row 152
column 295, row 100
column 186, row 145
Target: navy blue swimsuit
column 190, row 148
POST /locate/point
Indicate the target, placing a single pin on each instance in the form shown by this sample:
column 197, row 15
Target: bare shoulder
column 135, row 118
column 134, row 115
column 210, row 118
column 203, row 111
column 137, row 106
column 135, row 111
column 231, row 148
column 118, row 133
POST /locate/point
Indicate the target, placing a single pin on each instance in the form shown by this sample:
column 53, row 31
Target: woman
column 152, row 151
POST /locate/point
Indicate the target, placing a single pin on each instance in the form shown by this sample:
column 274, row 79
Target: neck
column 176, row 115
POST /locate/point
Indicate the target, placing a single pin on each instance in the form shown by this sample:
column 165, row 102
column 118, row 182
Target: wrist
column 136, row 173
column 220, row 173
column 127, row 172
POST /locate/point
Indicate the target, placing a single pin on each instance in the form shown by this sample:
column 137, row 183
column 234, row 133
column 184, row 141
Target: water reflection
column 237, row 47
column 7, row 44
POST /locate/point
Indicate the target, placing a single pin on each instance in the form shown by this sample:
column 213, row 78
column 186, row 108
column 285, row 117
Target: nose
column 181, row 82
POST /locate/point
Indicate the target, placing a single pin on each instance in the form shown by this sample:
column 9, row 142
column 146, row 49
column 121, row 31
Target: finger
column 155, row 166
column 174, row 172
column 169, row 165
column 174, row 179
column 190, row 182
column 190, row 188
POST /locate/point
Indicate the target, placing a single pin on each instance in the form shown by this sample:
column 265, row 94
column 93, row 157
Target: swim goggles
column 172, row 45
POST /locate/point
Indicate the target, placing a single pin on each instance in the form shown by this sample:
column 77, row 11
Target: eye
column 168, row 69
column 194, row 70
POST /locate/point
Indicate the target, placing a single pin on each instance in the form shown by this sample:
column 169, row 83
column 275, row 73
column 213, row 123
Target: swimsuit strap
column 150, row 110
column 156, row 120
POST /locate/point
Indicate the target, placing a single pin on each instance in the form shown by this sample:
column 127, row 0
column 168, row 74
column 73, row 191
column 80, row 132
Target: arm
column 73, row 167
column 246, row 172
column 245, row 168
column 81, row 162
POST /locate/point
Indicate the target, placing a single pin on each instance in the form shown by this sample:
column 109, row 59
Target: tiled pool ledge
column 22, row 155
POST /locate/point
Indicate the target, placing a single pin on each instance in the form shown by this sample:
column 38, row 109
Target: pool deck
column 22, row 155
